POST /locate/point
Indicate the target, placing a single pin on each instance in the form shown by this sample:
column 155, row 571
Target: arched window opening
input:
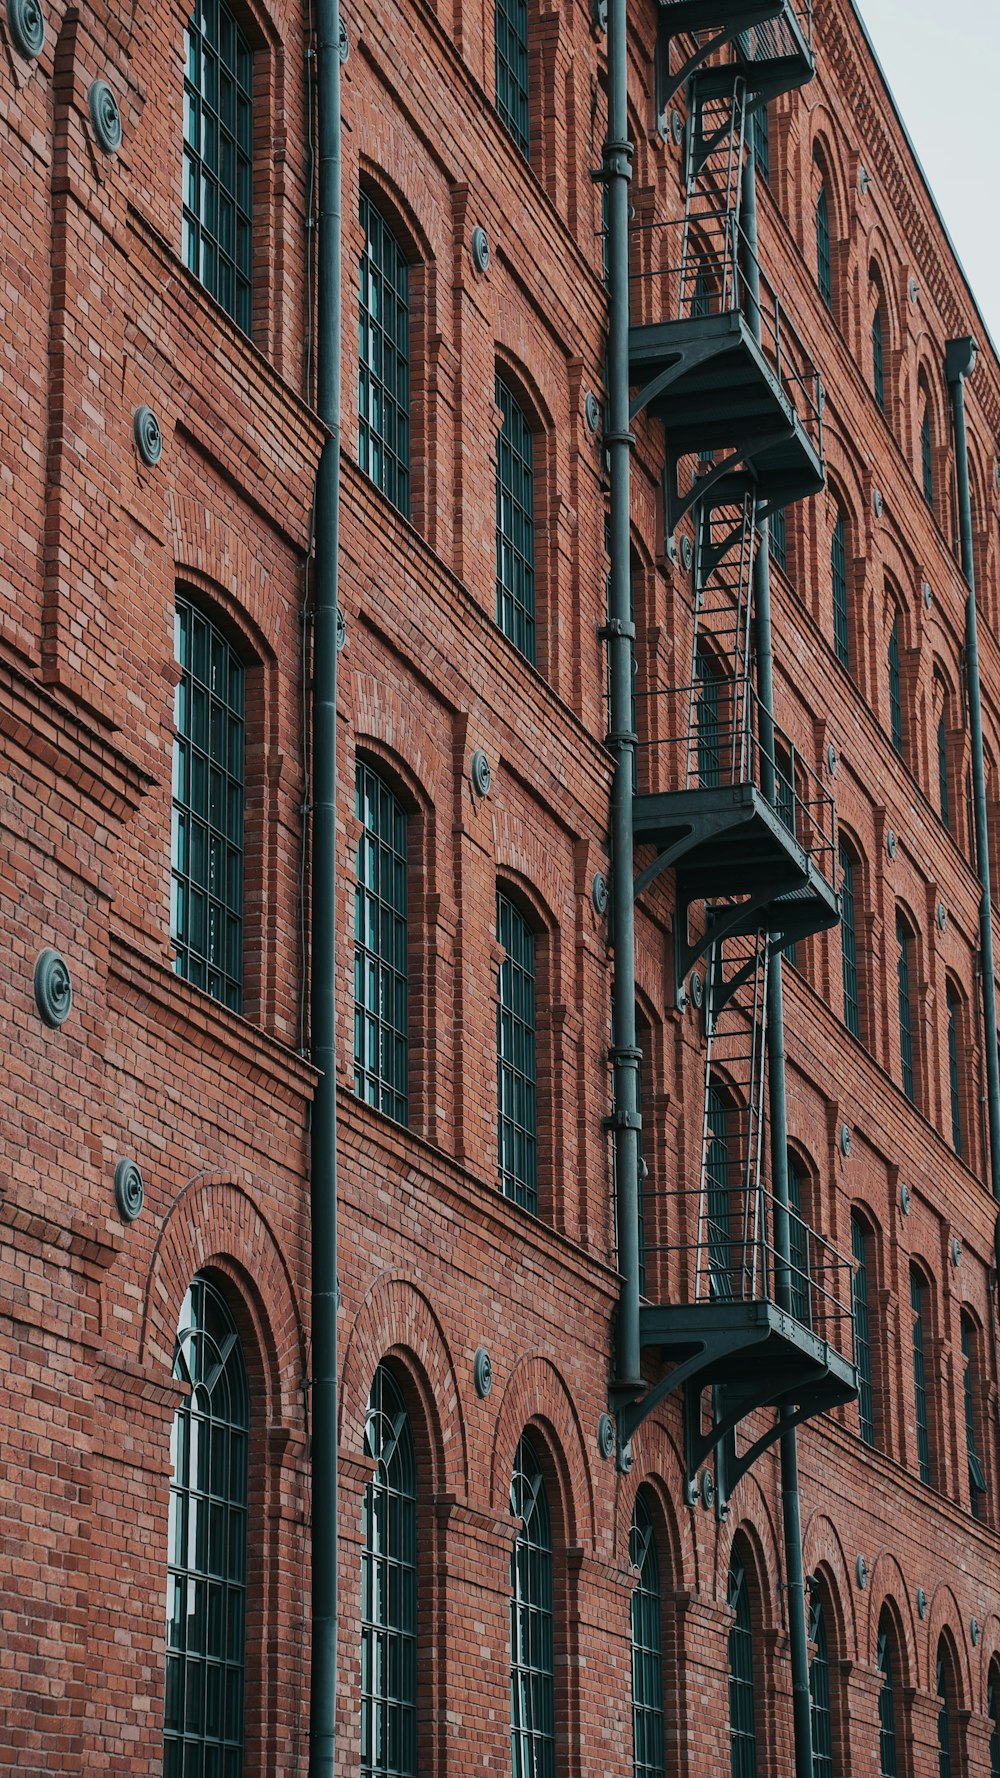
column 904, row 972
column 389, row 1589
column 381, row 1013
column 742, row 1691
column 643, row 1038
column 517, row 1073
column 708, row 717
column 759, row 131
column 945, row 1726
column 722, row 1254
column 888, row 1763
column 993, row 1712
column 918, row 1303
column 207, row 842
column 927, row 454
column 798, row 1244
column 824, row 263
column 878, row 357
column 777, row 526
column 217, row 212
column 860, row 1243
column 895, row 686
column 954, row 1011
column 977, row 1477
column 849, row 941
column 510, row 18
column 647, row 1647
column 384, row 359
column 838, row 574
column 942, row 764
column 532, row 1663
column 207, row 1543
column 515, row 499
column 819, row 1691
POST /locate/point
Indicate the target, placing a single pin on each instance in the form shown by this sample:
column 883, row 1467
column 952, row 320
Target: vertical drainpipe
column 959, row 363
column 322, row 985
column 777, row 1106
column 625, row 1057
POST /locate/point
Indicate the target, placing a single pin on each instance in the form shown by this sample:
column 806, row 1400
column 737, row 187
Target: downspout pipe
column 616, row 173
column 777, row 1105
column 323, row 975
column 959, row 363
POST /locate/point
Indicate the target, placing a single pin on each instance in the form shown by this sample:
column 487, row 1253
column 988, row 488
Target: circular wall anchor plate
column 928, row 595
column 956, row 1251
column 687, row 553
column 861, row 1571
column 845, row 1139
column 482, row 1372
column 129, row 1192
column 974, row 1630
column 831, row 760
column 707, row 1489
column 482, row 776
column 890, row 843
column 914, row 290
column 341, row 630
column 592, row 411
column 345, row 43
column 27, row 27
column 864, row 180
column 480, row 249
column 942, row 916
column 148, row 437
column 697, row 989
column 53, row 988
column 105, row 116
column 605, row 1435
column 676, row 127
column 905, row 1199
column 877, row 504
column 599, row 893
column 921, row 1603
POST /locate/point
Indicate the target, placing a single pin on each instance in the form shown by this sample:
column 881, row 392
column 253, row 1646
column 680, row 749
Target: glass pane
column 217, row 179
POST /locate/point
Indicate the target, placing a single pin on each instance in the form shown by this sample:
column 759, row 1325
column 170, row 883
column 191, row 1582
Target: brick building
column 509, row 1560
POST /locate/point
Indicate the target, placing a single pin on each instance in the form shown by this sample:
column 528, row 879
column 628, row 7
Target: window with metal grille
column 647, row 1648
column 838, row 574
column 942, row 757
column 849, row 942
column 878, row 358
column 895, row 687
column 217, row 209
column 862, row 1337
column 380, row 948
column 722, row 1259
column 207, row 1544
column 510, row 19
column 819, row 1692
column 903, row 971
column 516, row 1058
column 927, row 454
column 888, row 1767
column 515, row 524
column 798, row 1245
column 389, row 1589
column 384, row 359
column 778, row 537
column 532, row 1663
column 918, row 1293
column 943, row 1716
column 760, row 141
column 643, row 1038
column 977, row 1478
column 784, row 803
column 824, row 265
column 993, row 1712
column 970, row 819
column 207, row 844
column 954, row 1006
column 708, row 720
column 742, row 1693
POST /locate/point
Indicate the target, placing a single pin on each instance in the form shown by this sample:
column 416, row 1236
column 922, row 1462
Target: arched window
column 389, row 1589
column 954, row 1007
column 207, row 1543
column 895, row 686
column 927, row 453
column 510, row 22
column 819, row 1691
column 970, row 1387
column 384, row 360
column 798, row 1243
column 904, row 972
column 532, row 1662
column 778, row 538
column 878, row 357
column 860, row 1242
column 206, row 917
column 759, row 132
column 647, row 1647
column 516, row 1058
column 838, row 576
column 942, row 763
column 708, row 719
column 947, row 1764
column 849, row 940
column 918, row 1303
column 515, row 524
column 888, row 1763
column 824, row 264
column 217, row 212
column 643, row 1038
column 381, row 1016
column 724, row 1281
column 742, row 1691
column 993, row 1712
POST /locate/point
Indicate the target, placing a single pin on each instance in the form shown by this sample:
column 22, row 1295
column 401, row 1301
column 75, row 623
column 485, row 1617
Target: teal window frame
column 904, row 972
column 993, row 1712
column 921, row 1413
column 217, row 208
column 388, row 1686
column 824, row 261
column 943, row 1717
column 759, row 133
column 861, row 1316
column 649, row 1760
column 849, row 941
column 777, row 526
column 384, row 427
column 742, row 1685
column 820, row 1713
column 878, row 358
column 888, row 1746
column 927, row 454
column 838, row 581
column 532, row 1621
column 207, row 1543
column 515, row 523
column 722, row 1270
column 895, row 687
column 977, row 1477
column 942, row 765
column 798, row 1244
column 512, row 70
column 709, row 684
column 208, row 808
column 517, row 1057
column 381, row 946
column 954, row 1013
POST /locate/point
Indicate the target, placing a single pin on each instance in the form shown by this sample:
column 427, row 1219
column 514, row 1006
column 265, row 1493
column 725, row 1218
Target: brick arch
column 988, row 1652
column 824, row 1554
column 217, row 559
column 536, row 1394
column 658, row 1462
column 396, row 1320
column 888, row 1587
column 824, row 155
column 400, row 207
column 382, row 717
column 755, row 1528
column 522, row 857
column 215, row 1221
column 944, row 1618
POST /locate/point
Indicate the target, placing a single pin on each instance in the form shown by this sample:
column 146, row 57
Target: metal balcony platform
column 771, row 43
column 713, row 386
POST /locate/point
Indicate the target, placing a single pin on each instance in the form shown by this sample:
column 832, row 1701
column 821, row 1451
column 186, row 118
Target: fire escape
column 747, row 1307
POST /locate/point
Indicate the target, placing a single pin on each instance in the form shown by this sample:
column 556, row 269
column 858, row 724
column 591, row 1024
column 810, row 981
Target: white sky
column 941, row 59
